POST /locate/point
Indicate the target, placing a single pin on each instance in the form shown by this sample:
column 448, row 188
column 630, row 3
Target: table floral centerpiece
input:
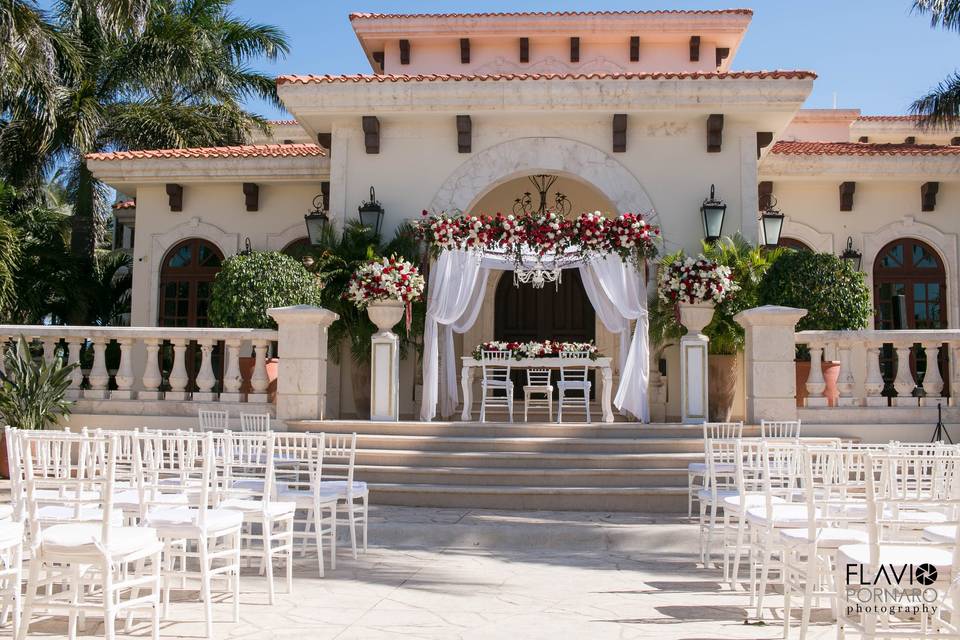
column 535, row 349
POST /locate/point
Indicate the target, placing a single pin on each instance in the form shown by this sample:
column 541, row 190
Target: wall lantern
column 712, row 211
column 371, row 213
column 772, row 222
column 851, row 255
column 317, row 221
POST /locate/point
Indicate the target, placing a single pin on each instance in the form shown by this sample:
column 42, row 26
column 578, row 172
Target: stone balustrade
column 140, row 373
column 861, row 355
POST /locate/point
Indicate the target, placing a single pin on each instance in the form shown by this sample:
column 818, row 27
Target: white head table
column 471, row 364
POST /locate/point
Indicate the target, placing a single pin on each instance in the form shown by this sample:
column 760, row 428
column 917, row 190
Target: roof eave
column 892, row 167
column 137, row 171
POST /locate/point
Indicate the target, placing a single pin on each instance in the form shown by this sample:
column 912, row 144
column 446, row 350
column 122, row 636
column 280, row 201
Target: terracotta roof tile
column 500, row 77
column 862, row 149
column 494, row 14
column 243, row 151
column 888, row 118
column 283, row 123
column 125, row 204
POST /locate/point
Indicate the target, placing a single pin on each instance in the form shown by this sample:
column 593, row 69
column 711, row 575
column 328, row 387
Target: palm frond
column 944, row 14
column 941, row 106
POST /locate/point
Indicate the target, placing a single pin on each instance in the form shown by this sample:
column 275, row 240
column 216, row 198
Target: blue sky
column 874, row 54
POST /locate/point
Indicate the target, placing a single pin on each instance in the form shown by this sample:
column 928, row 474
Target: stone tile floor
column 472, row 574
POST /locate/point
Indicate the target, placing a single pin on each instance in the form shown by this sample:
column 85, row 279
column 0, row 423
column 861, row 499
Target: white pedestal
column 693, row 378
column 384, row 376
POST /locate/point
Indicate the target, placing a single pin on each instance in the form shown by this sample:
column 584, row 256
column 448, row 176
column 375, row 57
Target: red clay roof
column 125, row 204
column 862, row 149
column 244, row 151
column 888, row 118
column 495, row 77
column 283, row 123
column 493, row 14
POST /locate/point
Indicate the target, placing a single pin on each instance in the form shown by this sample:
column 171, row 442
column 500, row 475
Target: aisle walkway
column 445, row 573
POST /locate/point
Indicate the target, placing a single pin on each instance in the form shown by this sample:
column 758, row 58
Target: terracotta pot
column 272, row 366
column 360, row 378
column 722, row 384
column 831, row 373
column 695, row 316
column 386, row 313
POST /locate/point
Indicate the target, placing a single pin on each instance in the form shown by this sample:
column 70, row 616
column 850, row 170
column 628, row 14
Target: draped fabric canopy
column 455, row 294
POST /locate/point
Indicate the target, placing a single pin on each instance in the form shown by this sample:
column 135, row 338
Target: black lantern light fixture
column 317, row 220
column 712, row 211
column 851, row 255
column 371, row 213
column 771, row 219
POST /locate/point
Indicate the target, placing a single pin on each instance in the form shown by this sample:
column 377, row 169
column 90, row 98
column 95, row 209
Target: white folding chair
column 213, row 420
column 340, row 453
column 85, row 565
column 574, row 371
column 779, row 429
column 254, row 422
column 695, row 470
column 538, row 392
column 495, row 368
column 719, row 484
column 11, row 567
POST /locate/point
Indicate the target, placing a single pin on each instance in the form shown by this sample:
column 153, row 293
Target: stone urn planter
column 695, row 316
column 722, row 384
column 386, row 313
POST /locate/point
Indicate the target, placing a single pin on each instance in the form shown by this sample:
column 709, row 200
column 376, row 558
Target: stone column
column 385, row 361
column 302, row 349
column 769, row 352
column 694, row 384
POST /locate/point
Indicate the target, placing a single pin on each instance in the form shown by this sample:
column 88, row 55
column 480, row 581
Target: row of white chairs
column 801, row 512
column 573, row 387
column 114, row 520
column 215, row 420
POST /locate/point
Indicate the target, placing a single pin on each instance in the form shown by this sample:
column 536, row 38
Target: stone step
column 501, row 476
column 533, row 444
column 525, row 459
column 568, row 498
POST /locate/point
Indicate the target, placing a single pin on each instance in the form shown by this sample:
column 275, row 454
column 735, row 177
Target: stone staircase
column 527, row 466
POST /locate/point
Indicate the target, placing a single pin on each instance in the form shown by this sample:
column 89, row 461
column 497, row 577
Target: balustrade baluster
column 232, row 378
column 151, row 379
column 74, row 347
column 98, row 377
column 845, row 381
column 124, row 375
column 815, row 382
column 50, row 349
column 904, row 382
column 178, row 374
column 932, row 380
column 205, row 378
column 258, row 380
column 873, row 386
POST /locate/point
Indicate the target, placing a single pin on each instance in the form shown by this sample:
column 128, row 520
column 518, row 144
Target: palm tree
column 941, row 106
column 152, row 74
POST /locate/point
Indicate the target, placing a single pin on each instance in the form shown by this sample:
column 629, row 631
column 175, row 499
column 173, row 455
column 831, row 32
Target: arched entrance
column 793, row 243
column 910, row 270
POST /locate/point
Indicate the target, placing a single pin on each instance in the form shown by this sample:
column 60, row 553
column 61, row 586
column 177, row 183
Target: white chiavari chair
column 248, row 487
column 11, row 567
column 495, row 380
column 718, row 485
column 201, row 533
column 779, row 429
column 340, row 453
column 898, row 483
column 213, row 420
column 83, row 565
column 254, row 422
column 298, row 479
column 574, row 376
column 698, row 470
column 538, row 392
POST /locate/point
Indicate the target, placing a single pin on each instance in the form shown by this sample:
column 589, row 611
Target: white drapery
column 458, row 282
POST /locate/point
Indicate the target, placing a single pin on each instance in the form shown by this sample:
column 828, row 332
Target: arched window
column 793, row 243
column 912, row 269
column 298, row 248
column 186, row 276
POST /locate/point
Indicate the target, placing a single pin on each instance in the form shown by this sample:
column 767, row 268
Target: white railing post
column 904, row 382
column 152, row 379
column 232, row 378
column 124, row 376
column 258, row 379
column 98, row 377
column 205, row 378
column 50, row 349
column 932, row 380
column 873, row 385
column 816, row 385
column 74, row 347
column 845, row 382
column 178, row 374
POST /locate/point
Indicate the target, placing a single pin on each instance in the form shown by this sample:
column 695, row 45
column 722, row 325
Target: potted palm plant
column 33, row 393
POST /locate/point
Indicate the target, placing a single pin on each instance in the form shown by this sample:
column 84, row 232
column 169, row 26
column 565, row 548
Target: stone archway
column 491, row 167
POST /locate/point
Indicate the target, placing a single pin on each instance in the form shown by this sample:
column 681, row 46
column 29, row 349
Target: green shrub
column 829, row 288
column 250, row 283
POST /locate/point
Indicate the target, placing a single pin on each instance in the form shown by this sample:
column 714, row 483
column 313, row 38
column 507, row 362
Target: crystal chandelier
column 538, row 275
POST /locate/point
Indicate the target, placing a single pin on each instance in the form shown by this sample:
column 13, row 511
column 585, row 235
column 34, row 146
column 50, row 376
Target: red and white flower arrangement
column 390, row 278
column 544, row 349
column 694, row 281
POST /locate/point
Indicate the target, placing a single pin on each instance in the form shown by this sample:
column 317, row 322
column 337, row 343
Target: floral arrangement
column 630, row 236
column 544, row 349
column 694, row 280
column 390, row 278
